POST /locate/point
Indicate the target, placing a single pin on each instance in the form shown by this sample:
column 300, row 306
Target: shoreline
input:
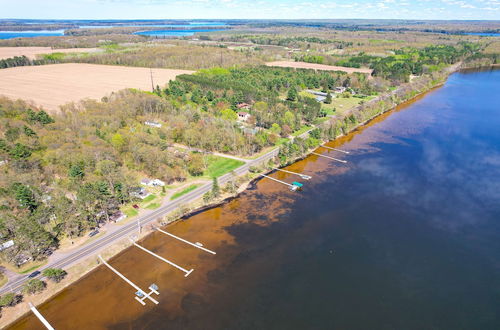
column 80, row 270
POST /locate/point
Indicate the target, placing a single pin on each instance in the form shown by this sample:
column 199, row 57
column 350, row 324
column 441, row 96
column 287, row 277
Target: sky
column 251, row 9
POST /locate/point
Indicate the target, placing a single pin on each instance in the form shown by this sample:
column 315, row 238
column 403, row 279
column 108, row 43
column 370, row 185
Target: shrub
column 54, row 274
column 34, row 286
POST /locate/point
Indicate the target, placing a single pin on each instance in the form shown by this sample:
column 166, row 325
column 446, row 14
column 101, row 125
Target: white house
column 6, row 245
column 152, row 183
column 153, row 123
column 140, row 192
column 243, row 116
column 340, row 89
column 118, row 216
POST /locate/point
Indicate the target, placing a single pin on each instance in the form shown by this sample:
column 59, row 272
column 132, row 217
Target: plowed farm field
column 50, row 86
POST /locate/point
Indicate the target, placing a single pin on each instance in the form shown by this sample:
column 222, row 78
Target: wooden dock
column 186, row 272
column 141, row 295
column 196, row 245
column 335, row 149
column 291, row 186
column 40, row 317
column 335, row 159
column 303, row 176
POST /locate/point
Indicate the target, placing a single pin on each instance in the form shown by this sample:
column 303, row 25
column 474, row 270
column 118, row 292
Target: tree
column 118, row 141
column 292, row 94
column 229, row 114
column 77, row 170
column 20, row 151
column 54, row 274
column 10, row 299
column 34, row 286
column 215, row 188
column 329, row 98
column 25, row 196
column 275, row 128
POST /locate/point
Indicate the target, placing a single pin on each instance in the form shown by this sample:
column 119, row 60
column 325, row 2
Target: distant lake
column 190, row 25
column 483, row 34
column 178, row 33
column 30, row 34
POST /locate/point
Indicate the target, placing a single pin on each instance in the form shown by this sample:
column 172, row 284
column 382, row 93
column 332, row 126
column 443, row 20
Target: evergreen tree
column 215, row 188
column 329, row 98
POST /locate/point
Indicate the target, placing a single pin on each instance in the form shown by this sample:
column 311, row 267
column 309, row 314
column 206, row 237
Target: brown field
column 32, row 52
column 52, row 85
column 304, row 65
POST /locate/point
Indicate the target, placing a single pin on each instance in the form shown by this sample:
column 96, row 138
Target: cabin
column 139, row 192
column 243, row 116
column 152, row 183
column 6, row 245
column 153, row 123
column 117, row 216
column 340, row 89
column 243, row 106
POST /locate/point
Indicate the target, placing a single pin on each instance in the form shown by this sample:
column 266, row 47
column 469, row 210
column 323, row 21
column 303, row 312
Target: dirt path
column 304, row 65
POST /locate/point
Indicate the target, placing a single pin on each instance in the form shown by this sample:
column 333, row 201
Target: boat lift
column 40, row 317
column 186, row 272
column 196, row 245
column 303, row 176
column 335, row 159
column 141, row 295
column 335, row 149
column 293, row 186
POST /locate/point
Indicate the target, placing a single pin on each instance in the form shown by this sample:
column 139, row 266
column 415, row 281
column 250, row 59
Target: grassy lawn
column 184, row 191
column 149, row 198
column 29, row 267
column 153, row 206
column 218, row 166
column 302, row 130
column 341, row 104
column 130, row 212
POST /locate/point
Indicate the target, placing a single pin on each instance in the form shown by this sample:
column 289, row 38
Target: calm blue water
column 180, row 33
column 190, row 25
column 483, row 34
column 30, row 34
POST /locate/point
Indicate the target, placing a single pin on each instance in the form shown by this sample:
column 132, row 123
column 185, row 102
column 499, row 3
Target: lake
column 186, row 30
column 30, row 34
column 404, row 236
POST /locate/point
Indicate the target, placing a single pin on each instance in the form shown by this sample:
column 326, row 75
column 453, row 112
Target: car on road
column 93, row 233
column 34, row 274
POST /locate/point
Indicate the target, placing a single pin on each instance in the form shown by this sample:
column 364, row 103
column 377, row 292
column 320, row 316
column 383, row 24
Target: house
column 6, row 245
column 340, row 89
column 117, row 216
column 152, row 183
column 153, row 123
column 139, row 192
column 243, row 116
column 243, row 106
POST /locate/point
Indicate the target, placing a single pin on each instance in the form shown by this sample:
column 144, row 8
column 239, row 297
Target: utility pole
column 152, row 84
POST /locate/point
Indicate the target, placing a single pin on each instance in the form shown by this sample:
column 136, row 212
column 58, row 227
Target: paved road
column 16, row 284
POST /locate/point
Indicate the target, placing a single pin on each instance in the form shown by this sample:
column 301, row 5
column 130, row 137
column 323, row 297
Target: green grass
column 131, row 212
column 153, row 206
column 218, row 166
column 149, row 198
column 281, row 141
column 302, row 130
column 185, row 191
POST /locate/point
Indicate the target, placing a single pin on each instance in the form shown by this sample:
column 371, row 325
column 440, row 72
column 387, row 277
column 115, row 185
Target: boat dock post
column 335, row 159
column 40, row 317
column 303, row 176
column 187, row 272
column 335, row 149
column 292, row 187
column 196, row 245
column 141, row 295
